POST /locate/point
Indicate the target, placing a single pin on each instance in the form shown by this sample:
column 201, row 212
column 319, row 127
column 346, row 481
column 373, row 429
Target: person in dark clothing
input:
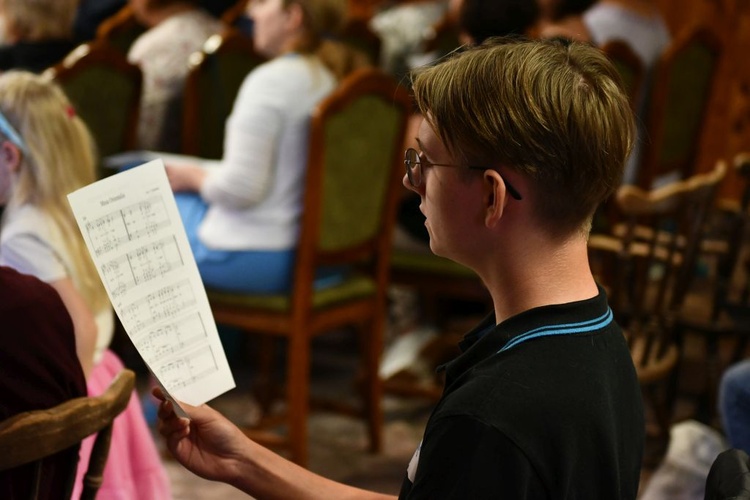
column 482, row 19
column 39, row 369
column 91, row 13
column 521, row 140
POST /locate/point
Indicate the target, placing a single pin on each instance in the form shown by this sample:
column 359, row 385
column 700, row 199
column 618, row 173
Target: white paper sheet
column 136, row 238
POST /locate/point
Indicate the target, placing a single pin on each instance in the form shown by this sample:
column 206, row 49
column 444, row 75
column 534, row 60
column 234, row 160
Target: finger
column 172, row 424
column 174, row 435
column 166, row 409
column 158, row 394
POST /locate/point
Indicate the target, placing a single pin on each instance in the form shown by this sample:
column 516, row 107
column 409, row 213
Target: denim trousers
column 734, row 404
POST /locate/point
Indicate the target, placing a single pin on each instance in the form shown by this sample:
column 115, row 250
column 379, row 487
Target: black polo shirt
column 545, row 405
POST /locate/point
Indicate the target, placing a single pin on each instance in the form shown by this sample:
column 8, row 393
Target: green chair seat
column 353, row 287
column 428, row 263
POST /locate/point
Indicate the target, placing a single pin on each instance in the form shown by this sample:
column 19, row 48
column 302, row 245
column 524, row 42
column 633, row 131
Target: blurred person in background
column 37, row 34
column 242, row 215
column 176, row 29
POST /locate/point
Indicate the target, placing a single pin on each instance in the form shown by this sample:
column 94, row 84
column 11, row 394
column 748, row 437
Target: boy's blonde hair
column 552, row 110
column 58, row 158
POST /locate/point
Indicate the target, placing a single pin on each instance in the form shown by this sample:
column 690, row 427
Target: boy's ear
column 11, row 155
column 495, row 197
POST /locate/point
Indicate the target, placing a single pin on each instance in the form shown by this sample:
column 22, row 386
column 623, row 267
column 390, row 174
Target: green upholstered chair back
column 355, row 156
column 215, row 77
column 105, row 90
column 681, row 94
column 629, row 66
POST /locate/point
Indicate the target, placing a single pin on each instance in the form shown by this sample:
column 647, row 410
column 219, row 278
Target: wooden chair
column 629, row 66
column 32, row 436
column 121, row 29
column 353, row 176
column 233, row 14
column 631, row 70
column 105, row 90
column 681, row 91
column 728, row 318
column 437, row 278
column 650, row 264
column 438, row 282
column 215, row 76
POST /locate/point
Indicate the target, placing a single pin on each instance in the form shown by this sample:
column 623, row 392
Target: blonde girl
column 46, row 152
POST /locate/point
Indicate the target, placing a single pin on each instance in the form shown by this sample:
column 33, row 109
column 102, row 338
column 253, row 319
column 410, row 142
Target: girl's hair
column 323, row 20
column 40, row 19
column 58, row 157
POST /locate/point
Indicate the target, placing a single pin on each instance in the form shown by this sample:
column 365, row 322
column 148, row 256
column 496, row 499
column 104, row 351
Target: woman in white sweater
column 242, row 217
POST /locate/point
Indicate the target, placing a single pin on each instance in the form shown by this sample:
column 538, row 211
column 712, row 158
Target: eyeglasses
column 414, row 165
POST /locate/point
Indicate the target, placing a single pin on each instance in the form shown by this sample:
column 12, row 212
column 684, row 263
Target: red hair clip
column 70, row 111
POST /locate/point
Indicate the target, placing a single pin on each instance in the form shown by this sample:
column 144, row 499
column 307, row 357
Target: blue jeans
column 734, row 405
column 244, row 271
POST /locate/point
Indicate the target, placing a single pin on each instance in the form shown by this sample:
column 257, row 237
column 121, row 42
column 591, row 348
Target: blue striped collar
column 567, row 329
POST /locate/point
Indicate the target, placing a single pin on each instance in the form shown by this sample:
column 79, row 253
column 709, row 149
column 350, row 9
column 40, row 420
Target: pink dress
column 134, row 470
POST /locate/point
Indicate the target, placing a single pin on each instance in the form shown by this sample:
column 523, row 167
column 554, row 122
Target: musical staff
column 131, row 223
column 161, row 305
column 188, row 369
column 142, row 265
column 172, row 338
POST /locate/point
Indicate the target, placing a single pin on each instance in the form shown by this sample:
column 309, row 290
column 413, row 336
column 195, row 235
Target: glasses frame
column 413, row 164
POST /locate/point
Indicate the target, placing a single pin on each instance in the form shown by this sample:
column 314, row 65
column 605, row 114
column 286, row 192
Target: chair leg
column 298, row 393
column 713, row 373
column 265, row 385
column 661, row 412
column 373, row 384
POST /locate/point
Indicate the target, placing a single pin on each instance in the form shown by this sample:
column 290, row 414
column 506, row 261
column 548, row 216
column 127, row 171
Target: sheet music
column 133, row 231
